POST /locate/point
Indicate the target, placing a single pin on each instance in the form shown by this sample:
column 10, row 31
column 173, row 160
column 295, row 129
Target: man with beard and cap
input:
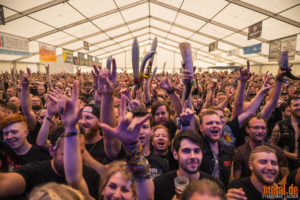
column 286, row 133
column 187, row 150
column 263, row 163
column 217, row 156
column 26, row 177
column 89, row 121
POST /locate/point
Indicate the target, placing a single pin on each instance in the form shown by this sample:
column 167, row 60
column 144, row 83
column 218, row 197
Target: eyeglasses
column 258, row 127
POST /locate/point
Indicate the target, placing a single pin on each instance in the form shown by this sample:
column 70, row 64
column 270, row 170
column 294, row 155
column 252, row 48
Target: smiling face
column 117, row 188
column 189, row 156
column 295, row 108
column 161, row 115
column 14, row 135
column 256, row 129
column 211, row 127
column 89, row 122
column 160, row 140
column 264, row 167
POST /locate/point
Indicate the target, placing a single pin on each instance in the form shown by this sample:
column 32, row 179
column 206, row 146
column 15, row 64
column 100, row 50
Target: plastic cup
column 181, row 182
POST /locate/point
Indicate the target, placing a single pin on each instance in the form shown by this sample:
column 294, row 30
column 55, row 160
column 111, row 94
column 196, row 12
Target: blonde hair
column 55, row 191
column 114, row 167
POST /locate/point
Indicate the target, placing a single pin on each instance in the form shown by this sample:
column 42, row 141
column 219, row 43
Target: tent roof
column 109, row 26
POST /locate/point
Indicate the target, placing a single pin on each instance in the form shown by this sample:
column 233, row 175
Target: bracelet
column 74, row 133
column 50, row 120
column 171, row 91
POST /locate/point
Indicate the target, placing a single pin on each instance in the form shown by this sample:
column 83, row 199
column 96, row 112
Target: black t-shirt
column 157, row 165
column 34, row 154
column 253, row 194
column 169, row 159
column 41, row 172
column 34, row 133
column 97, row 151
column 165, row 188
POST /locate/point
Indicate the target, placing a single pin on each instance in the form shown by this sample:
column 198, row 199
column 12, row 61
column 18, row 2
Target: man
column 10, row 92
column 16, row 101
column 288, row 136
column 15, row 133
column 161, row 145
column 41, row 93
column 285, row 111
column 257, row 129
column 89, row 121
column 187, row 151
column 33, row 174
column 263, row 163
column 217, row 156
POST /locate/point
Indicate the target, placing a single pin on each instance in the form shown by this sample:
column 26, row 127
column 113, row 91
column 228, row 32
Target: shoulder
column 238, row 183
column 164, row 178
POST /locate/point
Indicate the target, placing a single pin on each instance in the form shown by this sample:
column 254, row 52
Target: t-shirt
column 34, row 154
column 231, row 134
column 41, row 172
column 97, row 151
column 253, row 194
column 157, row 165
column 34, row 133
column 165, row 188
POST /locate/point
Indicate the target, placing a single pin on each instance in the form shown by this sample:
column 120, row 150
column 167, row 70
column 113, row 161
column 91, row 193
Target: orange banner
column 47, row 53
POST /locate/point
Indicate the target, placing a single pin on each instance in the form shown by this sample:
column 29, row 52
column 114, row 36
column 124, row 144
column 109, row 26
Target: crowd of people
column 103, row 135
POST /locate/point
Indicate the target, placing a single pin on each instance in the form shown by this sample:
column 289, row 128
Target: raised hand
column 69, row 109
column 245, row 74
column 165, row 83
column 47, row 69
column 187, row 114
column 128, row 129
column 266, row 86
column 26, row 78
column 52, row 107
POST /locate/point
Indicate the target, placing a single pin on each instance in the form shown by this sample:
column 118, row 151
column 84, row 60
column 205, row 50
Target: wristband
column 74, row 133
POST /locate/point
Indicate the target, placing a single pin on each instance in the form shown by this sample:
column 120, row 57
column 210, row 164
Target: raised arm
column 255, row 103
column 127, row 131
column 112, row 145
column 52, row 109
column 26, row 101
column 167, row 86
column 274, row 95
column 244, row 76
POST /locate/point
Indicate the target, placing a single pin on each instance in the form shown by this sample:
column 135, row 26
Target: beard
column 91, row 132
column 189, row 171
column 260, row 177
column 36, row 107
column 296, row 114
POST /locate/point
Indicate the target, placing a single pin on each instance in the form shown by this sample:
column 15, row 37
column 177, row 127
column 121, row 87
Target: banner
column 252, row 49
column 289, row 44
column 86, row 45
column 213, row 46
column 283, row 44
column 2, row 17
column 81, row 58
column 234, row 52
column 75, row 60
column 47, row 52
column 254, row 31
column 67, row 55
column 274, row 49
column 90, row 59
column 10, row 44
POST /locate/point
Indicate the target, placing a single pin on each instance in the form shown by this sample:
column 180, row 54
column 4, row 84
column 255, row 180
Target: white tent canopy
column 109, row 27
